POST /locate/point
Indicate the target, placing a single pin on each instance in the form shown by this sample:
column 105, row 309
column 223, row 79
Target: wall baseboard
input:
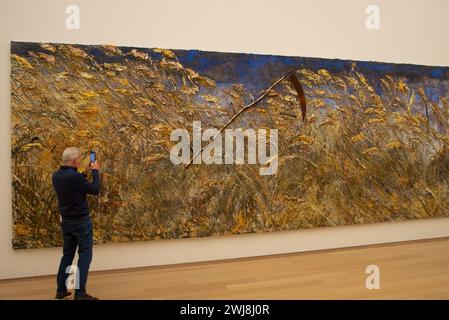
column 37, row 262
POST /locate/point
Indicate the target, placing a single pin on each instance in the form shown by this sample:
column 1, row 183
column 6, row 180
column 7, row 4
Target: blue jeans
column 78, row 233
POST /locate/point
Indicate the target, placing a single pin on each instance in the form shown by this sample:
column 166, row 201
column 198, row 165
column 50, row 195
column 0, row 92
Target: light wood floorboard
column 409, row 270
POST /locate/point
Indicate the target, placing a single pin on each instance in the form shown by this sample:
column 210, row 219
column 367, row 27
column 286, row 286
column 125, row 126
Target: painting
column 196, row 144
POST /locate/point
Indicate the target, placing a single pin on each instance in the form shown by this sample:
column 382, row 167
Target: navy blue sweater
column 71, row 188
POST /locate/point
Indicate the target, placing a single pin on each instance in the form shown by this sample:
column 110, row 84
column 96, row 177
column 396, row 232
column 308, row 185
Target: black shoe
column 85, row 297
column 63, row 295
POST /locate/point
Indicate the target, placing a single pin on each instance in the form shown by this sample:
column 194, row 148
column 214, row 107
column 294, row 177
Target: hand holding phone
column 93, row 161
column 94, row 166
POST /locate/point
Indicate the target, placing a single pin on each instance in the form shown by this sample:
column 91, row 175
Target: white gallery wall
column 411, row 31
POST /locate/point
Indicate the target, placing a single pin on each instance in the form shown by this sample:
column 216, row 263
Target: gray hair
column 70, row 153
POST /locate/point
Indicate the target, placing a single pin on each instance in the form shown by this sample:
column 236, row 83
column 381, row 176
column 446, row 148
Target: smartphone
column 92, row 156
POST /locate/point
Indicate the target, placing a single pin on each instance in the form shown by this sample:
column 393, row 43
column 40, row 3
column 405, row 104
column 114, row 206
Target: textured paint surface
column 373, row 147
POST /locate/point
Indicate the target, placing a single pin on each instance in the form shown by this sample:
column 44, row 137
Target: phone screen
column 92, row 156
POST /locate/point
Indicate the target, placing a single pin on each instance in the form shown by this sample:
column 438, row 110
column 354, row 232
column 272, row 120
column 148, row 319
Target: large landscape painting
column 358, row 142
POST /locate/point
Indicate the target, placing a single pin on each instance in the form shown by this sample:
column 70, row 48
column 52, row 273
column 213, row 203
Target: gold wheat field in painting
column 373, row 147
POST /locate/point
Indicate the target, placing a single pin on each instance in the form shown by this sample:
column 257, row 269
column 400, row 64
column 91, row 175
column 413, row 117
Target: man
column 71, row 188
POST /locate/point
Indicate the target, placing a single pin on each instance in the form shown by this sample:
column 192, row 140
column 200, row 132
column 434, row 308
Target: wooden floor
column 409, row 270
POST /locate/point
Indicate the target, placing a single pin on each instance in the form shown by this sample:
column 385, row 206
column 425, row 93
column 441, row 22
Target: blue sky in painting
column 257, row 71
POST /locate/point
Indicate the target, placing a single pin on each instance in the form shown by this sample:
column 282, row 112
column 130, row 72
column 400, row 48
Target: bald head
column 71, row 156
